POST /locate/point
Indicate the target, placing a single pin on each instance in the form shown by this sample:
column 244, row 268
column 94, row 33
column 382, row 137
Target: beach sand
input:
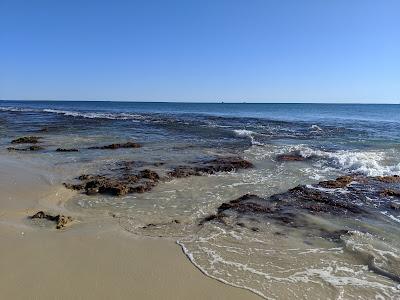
column 92, row 259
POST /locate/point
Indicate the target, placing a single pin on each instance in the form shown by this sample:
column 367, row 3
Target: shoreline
column 93, row 258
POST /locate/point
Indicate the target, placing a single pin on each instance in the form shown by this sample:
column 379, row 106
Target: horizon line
column 201, row 102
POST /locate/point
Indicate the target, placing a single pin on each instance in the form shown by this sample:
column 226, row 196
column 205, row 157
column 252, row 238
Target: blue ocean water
column 333, row 139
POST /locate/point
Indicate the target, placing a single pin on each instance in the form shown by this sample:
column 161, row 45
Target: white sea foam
column 315, row 128
column 89, row 115
column 248, row 133
column 370, row 163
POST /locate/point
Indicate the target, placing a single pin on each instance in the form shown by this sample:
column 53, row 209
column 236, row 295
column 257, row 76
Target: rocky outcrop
column 347, row 196
column 123, row 178
column 60, row 220
column 118, row 146
column 27, row 140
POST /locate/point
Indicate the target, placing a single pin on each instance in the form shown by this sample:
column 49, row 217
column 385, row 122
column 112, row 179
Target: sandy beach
column 91, row 259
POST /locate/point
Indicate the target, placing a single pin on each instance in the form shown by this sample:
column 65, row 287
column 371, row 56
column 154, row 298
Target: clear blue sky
column 201, row 50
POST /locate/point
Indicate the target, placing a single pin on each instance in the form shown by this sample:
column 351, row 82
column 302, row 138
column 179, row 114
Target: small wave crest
column 249, row 134
column 81, row 114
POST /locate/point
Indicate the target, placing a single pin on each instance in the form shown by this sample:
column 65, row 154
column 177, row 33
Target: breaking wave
column 370, row 163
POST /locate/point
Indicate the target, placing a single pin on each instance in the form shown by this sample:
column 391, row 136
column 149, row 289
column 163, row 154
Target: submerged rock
column 118, row 146
column 66, row 150
column 30, row 148
column 222, row 164
column 290, row 157
column 27, row 140
column 123, row 179
column 347, row 196
column 60, row 220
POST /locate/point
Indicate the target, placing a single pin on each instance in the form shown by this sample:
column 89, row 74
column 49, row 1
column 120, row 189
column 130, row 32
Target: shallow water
column 274, row 261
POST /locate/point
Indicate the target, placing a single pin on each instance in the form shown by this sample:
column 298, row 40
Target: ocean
column 335, row 252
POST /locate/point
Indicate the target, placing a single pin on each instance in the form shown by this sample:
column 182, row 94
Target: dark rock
column 389, row 179
column 340, row 182
column 60, row 220
column 118, row 146
column 362, row 198
column 142, row 182
column 390, row 193
column 76, row 187
column 67, row 150
column 290, row 157
column 30, row 148
column 124, row 179
column 149, row 174
column 222, row 164
column 27, row 140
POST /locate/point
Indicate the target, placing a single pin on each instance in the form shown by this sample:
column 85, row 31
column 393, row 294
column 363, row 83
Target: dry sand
column 92, row 259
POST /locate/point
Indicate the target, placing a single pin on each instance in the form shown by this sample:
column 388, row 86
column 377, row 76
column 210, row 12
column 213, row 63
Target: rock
column 142, row 182
column 390, row 193
column 290, row 157
column 67, row 150
column 118, row 146
column 340, row 182
column 389, row 179
column 60, row 220
column 222, row 164
column 27, row 140
column 124, row 179
column 30, row 148
column 362, row 198
column 76, row 187
column 149, row 174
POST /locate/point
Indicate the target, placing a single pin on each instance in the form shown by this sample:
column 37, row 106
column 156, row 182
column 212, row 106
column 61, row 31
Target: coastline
column 93, row 258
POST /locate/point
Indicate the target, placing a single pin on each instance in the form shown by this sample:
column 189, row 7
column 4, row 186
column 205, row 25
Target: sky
column 201, row 50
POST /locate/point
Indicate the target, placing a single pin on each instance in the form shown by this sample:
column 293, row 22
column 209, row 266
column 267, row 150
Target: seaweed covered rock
column 221, row 164
column 129, row 177
column 117, row 185
column 27, row 140
column 118, row 146
column 347, row 196
column 60, row 220
column 30, row 148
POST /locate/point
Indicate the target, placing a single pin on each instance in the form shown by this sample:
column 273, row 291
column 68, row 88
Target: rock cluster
column 60, row 220
column 125, row 179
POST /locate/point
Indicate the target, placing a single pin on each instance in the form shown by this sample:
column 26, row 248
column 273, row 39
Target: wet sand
column 92, row 259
